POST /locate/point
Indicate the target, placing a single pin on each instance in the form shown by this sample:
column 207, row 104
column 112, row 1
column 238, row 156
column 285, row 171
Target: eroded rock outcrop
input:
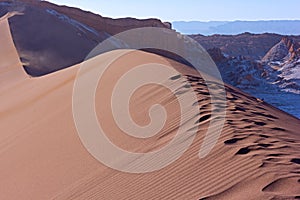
column 286, row 49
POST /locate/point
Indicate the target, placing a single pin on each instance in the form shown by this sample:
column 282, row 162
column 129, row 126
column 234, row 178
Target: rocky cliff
column 286, row 49
column 251, row 46
column 49, row 37
column 277, row 74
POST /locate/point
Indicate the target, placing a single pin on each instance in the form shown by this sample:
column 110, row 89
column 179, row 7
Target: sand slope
column 10, row 66
column 41, row 156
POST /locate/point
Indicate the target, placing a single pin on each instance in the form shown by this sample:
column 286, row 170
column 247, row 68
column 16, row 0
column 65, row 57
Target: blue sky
column 192, row 10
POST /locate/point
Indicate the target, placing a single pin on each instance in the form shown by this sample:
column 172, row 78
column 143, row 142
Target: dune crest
column 11, row 69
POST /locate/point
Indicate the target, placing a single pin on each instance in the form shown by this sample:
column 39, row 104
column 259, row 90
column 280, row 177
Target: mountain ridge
column 71, row 29
column 282, row 27
column 100, row 23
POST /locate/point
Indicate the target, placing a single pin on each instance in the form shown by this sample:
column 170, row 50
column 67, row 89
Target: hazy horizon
column 237, row 20
column 282, row 27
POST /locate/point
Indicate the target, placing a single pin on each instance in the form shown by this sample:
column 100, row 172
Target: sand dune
column 10, row 66
column 42, row 157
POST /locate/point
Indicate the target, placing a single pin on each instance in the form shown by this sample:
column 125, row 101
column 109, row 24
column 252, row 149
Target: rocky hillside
column 282, row 64
column 250, row 46
column 96, row 21
column 277, row 74
column 60, row 36
column 286, row 49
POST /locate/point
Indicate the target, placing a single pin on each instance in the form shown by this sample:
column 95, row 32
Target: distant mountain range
column 283, row 27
